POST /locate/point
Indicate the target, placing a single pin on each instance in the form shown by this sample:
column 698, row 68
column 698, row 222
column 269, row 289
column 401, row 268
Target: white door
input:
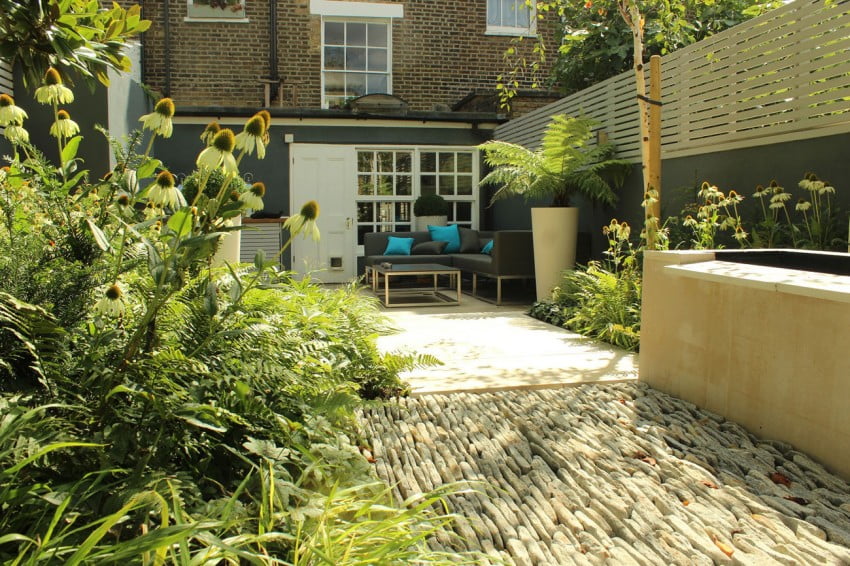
column 328, row 175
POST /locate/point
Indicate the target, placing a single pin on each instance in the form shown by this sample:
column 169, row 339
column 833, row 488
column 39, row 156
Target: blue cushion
column 448, row 234
column 488, row 247
column 398, row 246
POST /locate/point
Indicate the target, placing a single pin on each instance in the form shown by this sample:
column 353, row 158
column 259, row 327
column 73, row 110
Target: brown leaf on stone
column 650, row 460
column 644, row 457
column 685, row 502
column 724, row 548
column 780, row 479
column 797, row 500
column 710, row 484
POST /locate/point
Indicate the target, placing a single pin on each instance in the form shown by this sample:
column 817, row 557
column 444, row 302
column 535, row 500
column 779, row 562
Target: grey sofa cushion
column 468, row 241
column 433, row 247
column 479, row 263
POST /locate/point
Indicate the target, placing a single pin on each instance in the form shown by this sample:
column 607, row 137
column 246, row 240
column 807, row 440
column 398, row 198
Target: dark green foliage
column 430, row 205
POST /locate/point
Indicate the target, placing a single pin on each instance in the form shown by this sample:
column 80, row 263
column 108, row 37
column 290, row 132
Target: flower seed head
column 774, row 184
column 6, row 100
column 114, row 292
column 63, row 115
column 123, row 200
column 165, row 107
column 733, row 194
column 224, row 140
column 52, row 77
column 212, row 128
column 310, row 210
column 256, row 126
column 267, row 118
column 165, row 180
column 259, row 189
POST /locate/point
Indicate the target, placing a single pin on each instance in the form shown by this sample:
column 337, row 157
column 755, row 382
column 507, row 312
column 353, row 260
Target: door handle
column 348, row 223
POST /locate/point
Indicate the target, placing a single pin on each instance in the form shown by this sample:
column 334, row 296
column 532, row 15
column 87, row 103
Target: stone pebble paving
column 609, row 474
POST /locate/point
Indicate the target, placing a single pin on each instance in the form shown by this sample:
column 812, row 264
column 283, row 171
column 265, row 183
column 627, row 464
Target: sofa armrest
column 513, row 252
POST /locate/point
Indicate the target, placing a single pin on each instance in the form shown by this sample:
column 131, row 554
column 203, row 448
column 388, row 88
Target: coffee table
column 418, row 296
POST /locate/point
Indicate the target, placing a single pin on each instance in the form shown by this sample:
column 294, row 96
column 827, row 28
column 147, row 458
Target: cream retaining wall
column 764, row 347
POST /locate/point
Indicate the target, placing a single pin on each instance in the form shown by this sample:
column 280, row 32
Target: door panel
column 326, row 174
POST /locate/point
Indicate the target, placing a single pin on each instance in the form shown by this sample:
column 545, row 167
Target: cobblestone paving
column 610, row 474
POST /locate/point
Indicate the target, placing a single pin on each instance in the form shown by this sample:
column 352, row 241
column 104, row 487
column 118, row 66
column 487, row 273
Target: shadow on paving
column 619, row 473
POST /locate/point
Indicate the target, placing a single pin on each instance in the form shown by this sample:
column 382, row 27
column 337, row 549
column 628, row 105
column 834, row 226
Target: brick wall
column 440, row 54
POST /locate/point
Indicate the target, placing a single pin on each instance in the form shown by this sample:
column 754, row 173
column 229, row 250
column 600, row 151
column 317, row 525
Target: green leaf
column 260, row 259
column 69, row 152
column 181, row 222
column 99, row 236
column 148, row 168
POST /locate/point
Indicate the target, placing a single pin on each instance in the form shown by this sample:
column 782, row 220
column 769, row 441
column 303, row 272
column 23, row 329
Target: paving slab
column 488, row 348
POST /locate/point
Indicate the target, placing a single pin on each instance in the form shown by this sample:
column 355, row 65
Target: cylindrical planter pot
column 229, row 248
column 422, row 222
column 554, row 231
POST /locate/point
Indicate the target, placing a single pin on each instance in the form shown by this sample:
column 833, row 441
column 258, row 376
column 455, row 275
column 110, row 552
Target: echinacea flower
column 803, row 205
column 110, row 305
column 305, row 221
column 53, row 91
column 760, row 191
column 253, row 197
column 159, row 121
column 17, row 134
column 253, row 136
column 163, row 192
column 209, row 132
column 220, row 153
column 64, row 127
column 9, row 113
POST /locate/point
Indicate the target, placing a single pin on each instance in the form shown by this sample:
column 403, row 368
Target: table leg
column 386, row 288
column 457, row 281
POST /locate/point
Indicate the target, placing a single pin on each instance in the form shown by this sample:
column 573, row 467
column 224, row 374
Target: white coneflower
column 689, row 221
column 779, row 198
column 209, row 132
column 163, row 193
column 253, row 137
column 159, row 121
column 760, row 191
column 220, row 153
column 305, row 221
column 803, row 205
column 253, row 197
column 9, row 113
column 111, row 305
column 17, row 134
column 130, row 181
column 64, row 127
column 53, row 91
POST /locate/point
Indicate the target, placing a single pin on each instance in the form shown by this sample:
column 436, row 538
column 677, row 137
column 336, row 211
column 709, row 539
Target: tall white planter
column 228, row 250
column 422, row 222
column 555, row 232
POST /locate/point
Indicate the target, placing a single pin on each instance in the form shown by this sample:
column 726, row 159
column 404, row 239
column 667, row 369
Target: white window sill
column 511, row 32
column 216, row 20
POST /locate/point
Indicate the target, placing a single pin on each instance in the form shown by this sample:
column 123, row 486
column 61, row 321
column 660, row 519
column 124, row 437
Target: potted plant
column 430, row 209
column 564, row 166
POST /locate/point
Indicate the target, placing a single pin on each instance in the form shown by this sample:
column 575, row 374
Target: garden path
column 598, row 473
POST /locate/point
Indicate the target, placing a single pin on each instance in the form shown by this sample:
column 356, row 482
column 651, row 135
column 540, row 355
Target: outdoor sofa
column 511, row 256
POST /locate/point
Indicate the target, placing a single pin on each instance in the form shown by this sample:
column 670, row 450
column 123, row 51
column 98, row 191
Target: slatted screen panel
column 779, row 77
column 6, row 82
column 257, row 236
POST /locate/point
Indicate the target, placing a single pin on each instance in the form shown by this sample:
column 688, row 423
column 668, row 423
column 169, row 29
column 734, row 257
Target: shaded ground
column 610, row 474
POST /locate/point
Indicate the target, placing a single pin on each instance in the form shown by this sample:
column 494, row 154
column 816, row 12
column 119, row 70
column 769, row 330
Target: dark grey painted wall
column 740, row 169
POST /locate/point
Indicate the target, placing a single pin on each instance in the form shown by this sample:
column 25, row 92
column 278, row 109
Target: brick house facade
column 440, row 51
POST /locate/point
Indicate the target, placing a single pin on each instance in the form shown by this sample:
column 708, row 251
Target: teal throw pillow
column 448, row 234
column 488, row 247
column 398, row 246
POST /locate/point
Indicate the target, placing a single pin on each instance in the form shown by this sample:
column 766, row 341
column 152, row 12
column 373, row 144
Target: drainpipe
column 274, row 76
column 166, row 28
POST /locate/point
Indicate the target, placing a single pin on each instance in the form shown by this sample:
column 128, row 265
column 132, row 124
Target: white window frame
column 386, row 21
column 336, row 8
column 416, row 170
column 206, row 14
column 514, row 31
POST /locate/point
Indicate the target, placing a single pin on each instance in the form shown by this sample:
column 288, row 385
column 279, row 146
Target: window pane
column 402, row 212
column 447, row 185
column 428, row 184
column 402, row 228
column 464, row 185
column 376, row 83
column 403, row 162
column 385, row 212
column 428, row 161
column 356, row 34
column 355, row 59
column 386, row 228
column 334, row 33
column 356, row 84
column 509, row 13
column 365, row 185
column 362, row 231
column 335, row 101
column 404, row 185
column 464, row 162
column 335, row 84
column 493, row 15
column 335, row 58
column 447, row 162
column 385, row 185
column 385, row 161
column 377, row 35
column 377, row 59
column 365, row 161
column 464, row 212
column 365, row 212
column 523, row 15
